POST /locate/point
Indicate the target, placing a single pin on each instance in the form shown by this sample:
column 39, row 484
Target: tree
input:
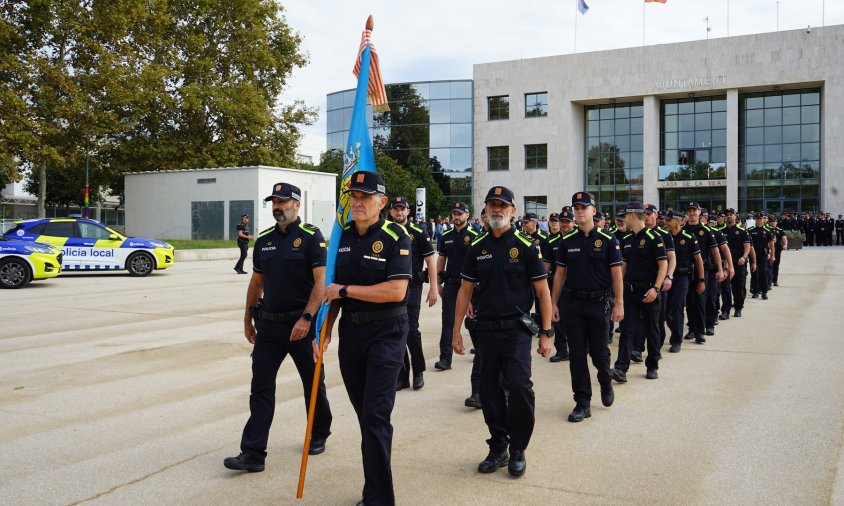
column 420, row 169
column 605, row 159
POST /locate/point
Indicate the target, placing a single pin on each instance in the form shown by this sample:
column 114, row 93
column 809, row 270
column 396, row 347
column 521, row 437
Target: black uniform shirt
column 538, row 238
column 705, row 239
column 667, row 238
column 588, row 258
column 685, row 248
column 641, row 252
column 420, row 246
column 287, row 259
column 720, row 240
column 736, row 239
column 505, row 268
column 381, row 254
column 242, row 227
column 454, row 245
column 759, row 238
column 778, row 235
column 549, row 253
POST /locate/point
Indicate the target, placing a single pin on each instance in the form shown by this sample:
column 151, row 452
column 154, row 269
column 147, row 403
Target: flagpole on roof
column 643, row 23
column 576, row 12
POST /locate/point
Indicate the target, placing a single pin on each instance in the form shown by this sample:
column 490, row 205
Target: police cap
column 650, row 208
column 459, row 207
column 634, row 207
column 553, row 217
column 529, row 217
column 584, row 198
column 368, row 182
column 284, row 191
column 500, row 193
column 693, row 205
column 598, row 216
column 398, row 202
column 620, row 215
column 567, row 215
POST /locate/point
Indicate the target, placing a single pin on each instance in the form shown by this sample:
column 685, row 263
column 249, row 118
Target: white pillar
column 650, row 145
column 732, row 149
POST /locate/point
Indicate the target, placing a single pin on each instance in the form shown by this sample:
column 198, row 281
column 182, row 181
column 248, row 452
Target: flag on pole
column 582, row 7
column 657, row 1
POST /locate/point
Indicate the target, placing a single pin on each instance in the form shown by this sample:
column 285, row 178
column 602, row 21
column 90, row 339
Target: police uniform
column 686, row 247
column 662, row 298
column 420, row 248
column 373, row 336
column 695, row 302
column 775, row 266
column 243, row 244
column 642, row 252
column 538, row 238
column 760, row 237
column 736, row 239
column 505, row 268
column 586, row 297
column 285, row 259
column 452, row 246
column 713, row 287
column 549, row 253
column 839, row 231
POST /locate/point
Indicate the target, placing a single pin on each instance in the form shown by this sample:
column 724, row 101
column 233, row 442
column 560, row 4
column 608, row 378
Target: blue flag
column 582, row 7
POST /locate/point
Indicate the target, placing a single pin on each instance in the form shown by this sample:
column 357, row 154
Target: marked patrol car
column 88, row 245
column 23, row 261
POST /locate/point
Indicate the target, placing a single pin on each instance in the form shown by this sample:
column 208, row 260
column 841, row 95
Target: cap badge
column 360, row 177
column 277, row 188
column 498, row 191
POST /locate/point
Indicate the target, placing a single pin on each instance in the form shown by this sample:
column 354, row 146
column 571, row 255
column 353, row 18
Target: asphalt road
column 117, row 390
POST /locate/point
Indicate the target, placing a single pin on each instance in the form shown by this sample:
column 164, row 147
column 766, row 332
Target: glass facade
column 498, row 107
column 537, row 204
column 693, row 139
column 780, row 150
column 709, row 198
column 433, row 117
column 536, row 105
column 613, row 154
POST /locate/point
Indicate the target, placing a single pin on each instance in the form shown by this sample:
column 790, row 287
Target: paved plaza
column 121, row 390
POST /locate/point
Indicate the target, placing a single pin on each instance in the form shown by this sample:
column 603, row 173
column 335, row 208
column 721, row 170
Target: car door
column 58, row 233
column 101, row 245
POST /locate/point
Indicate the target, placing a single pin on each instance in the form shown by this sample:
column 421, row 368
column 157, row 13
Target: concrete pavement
column 120, row 390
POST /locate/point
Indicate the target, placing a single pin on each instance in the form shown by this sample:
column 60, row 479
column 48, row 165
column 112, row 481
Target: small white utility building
column 208, row 203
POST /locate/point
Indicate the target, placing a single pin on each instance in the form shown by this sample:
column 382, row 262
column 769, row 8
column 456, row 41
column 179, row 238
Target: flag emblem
column 498, row 191
column 360, row 178
column 277, row 188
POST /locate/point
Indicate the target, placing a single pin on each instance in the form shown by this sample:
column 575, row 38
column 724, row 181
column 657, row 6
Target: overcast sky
column 419, row 40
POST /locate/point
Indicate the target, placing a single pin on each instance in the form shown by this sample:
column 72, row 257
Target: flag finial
column 370, row 23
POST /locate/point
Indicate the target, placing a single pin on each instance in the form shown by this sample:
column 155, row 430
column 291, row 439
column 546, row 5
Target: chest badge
column 467, row 239
column 700, row 233
column 377, row 247
column 641, row 243
column 514, row 253
column 297, row 242
column 599, row 243
column 269, row 243
column 682, row 242
column 737, row 232
column 483, row 252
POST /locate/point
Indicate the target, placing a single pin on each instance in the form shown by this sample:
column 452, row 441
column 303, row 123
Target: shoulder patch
column 687, row 235
column 393, row 229
column 414, row 227
column 448, row 231
column 570, row 234
column 479, row 238
column 608, row 236
column 649, row 233
column 265, row 232
column 308, row 228
column 471, row 231
column 521, row 237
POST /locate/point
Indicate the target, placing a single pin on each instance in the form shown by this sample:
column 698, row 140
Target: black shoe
column 689, row 336
column 472, row 351
column 579, row 413
column 724, row 316
column 607, row 395
column 765, row 296
column 738, row 313
column 244, row 462
column 402, row 384
column 710, row 331
column 619, row 376
column 636, row 356
column 699, row 339
column 517, row 465
column 618, row 330
column 443, row 365
column 776, row 284
column 754, row 296
column 675, row 348
column 610, row 341
column 495, row 459
column 418, row 381
column 652, row 374
column 473, row 401
column 561, row 356
column 317, row 445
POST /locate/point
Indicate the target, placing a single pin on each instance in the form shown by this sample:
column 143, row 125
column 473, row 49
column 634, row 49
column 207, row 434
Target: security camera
column 809, row 29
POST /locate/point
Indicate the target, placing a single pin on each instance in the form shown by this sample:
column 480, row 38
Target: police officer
column 713, row 293
column 289, row 272
column 243, row 239
column 651, row 215
column 762, row 241
column 549, row 253
column 452, row 249
column 688, row 262
column 421, row 252
column 588, row 291
column 645, row 268
column 714, row 274
column 507, row 267
column 780, row 243
column 839, row 230
column 740, row 249
column 370, row 285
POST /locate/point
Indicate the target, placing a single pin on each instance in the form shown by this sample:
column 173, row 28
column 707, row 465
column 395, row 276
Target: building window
column 613, row 154
column 693, row 139
column 498, row 107
column 536, row 156
column 537, row 204
column 206, row 180
column 536, row 104
column 779, row 150
column 499, row 157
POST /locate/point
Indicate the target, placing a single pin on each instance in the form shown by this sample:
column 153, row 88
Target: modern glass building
column 432, row 118
column 751, row 122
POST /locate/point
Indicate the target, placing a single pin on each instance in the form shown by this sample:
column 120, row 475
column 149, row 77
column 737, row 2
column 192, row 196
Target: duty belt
column 643, row 285
column 682, row 270
column 497, row 324
column 278, row 317
column 583, row 295
column 375, row 316
column 453, row 280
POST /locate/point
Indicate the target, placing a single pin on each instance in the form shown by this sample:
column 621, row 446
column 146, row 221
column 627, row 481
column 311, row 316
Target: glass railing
column 691, row 172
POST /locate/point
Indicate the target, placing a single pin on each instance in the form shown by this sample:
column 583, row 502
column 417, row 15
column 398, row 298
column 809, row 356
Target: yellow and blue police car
column 24, row 261
column 88, row 245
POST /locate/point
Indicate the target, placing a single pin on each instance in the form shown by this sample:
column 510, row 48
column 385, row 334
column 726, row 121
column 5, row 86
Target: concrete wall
column 791, row 59
column 158, row 204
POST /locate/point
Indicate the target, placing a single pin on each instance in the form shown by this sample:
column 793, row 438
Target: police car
column 23, row 261
column 88, row 245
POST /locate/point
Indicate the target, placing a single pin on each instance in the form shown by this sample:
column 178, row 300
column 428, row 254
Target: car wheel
column 140, row 264
column 14, row 273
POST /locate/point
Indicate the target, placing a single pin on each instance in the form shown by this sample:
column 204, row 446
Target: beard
column 283, row 218
column 498, row 223
column 401, row 220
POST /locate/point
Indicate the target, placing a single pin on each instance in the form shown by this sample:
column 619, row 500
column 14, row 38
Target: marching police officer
column 762, row 241
column 740, row 249
column 508, row 269
column 588, row 293
column 713, row 292
column 688, row 262
column 243, row 238
column 549, row 253
column 651, row 222
column 289, row 272
column 371, row 280
column 421, row 252
column 452, row 249
column 780, row 243
column 714, row 274
column 645, row 268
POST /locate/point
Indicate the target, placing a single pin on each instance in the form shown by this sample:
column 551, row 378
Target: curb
column 194, row 255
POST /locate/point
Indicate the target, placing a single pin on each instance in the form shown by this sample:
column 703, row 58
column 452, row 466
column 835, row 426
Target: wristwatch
column 307, row 316
column 658, row 290
column 343, row 292
column 670, row 277
column 548, row 332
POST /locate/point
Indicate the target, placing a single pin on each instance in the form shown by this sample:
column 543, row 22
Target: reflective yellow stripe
column 107, row 243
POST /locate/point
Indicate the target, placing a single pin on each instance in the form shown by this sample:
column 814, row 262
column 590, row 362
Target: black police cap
column 368, row 182
column 567, row 215
column 634, row 207
column 598, row 216
column 650, row 208
column 500, row 193
column 620, row 214
column 460, row 207
column 529, row 217
column 285, row 191
column 553, row 217
column 584, row 198
column 693, row 205
column 398, row 202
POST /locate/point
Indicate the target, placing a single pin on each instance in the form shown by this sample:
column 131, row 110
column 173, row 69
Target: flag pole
column 728, row 18
column 303, row 468
column 576, row 12
column 643, row 24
